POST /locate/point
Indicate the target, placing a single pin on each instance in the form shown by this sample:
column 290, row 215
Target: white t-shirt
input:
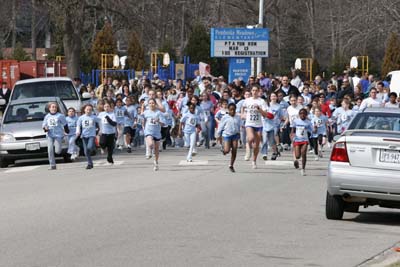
column 293, row 113
column 390, row 105
column 253, row 116
column 370, row 103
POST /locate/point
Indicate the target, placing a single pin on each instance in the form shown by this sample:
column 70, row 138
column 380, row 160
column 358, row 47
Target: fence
column 164, row 73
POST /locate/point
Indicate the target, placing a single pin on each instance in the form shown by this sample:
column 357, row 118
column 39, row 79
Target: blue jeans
column 268, row 140
column 88, row 148
column 53, row 146
column 72, row 147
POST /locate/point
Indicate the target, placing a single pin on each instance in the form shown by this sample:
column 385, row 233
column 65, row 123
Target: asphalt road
column 195, row 214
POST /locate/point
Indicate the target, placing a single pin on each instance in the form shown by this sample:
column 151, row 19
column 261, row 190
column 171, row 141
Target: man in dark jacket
column 287, row 89
column 346, row 89
column 5, row 94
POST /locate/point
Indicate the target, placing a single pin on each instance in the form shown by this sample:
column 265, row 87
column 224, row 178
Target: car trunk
column 380, row 151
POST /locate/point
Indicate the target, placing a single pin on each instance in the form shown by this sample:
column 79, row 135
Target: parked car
column 364, row 167
column 21, row 133
column 61, row 87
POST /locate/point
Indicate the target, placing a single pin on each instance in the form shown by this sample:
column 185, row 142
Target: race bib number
column 254, row 115
column 292, row 118
column 120, row 113
column 152, row 121
column 301, row 132
column 105, row 121
column 192, row 122
column 52, row 122
column 344, row 117
column 87, row 124
column 318, row 122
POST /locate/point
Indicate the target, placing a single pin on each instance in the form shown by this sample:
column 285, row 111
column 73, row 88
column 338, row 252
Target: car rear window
column 62, row 89
column 376, row 121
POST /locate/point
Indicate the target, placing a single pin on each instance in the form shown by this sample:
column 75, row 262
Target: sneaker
column 155, row 166
column 110, row 160
column 231, row 169
column 286, row 147
column 88, row 167
column 52, row 168
column 214, row 144
column 148, row 156
column 189, row 160
column 129, row 149
column 265, row 157
column 120, row 147
column 296, row 164
column 303, row 172
column 316, row 158
column 311, row 151
column 247, row 155
column 280, row 147
column 274, row 156
column 194, row 153
column 73, row 156
column 254, row 165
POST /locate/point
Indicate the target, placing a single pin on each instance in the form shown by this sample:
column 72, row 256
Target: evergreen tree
column 103, row 44
column 391, row 60
column 135, row 53
column 198, row 46
column 19, row 53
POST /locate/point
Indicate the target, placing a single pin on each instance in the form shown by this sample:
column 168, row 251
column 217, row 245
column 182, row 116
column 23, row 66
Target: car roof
column 35, row 80
column 383, row 110
column 35, row 100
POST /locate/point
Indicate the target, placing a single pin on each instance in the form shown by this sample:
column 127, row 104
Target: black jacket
column 292, row 91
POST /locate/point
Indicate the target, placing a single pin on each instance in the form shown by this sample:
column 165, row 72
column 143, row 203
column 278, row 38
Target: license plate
column 32, row 146
column 390, row 156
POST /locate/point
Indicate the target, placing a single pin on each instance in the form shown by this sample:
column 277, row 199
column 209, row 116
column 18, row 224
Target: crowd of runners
column 265, row 115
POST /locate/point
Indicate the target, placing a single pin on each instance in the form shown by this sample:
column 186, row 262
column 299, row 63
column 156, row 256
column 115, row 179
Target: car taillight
column 339, row 153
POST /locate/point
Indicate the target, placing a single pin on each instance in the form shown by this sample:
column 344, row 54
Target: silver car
column 364, row 167
column 21, row 133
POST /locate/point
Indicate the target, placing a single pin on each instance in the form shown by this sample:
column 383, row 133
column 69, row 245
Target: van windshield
column 62, row 89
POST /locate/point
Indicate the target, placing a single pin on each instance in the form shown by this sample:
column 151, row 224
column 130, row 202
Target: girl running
column 120, row 112
column 229, row 129
column 270, row 128
column 108, row 122
column 253, row 108
column 86, row 128
column 208, row 108
column 318, row 137
column 343, row 116
column 72, row 119
column 129, row 130
column 190, row 125
column 299, row 133
column 54, row 125
column 153, row 120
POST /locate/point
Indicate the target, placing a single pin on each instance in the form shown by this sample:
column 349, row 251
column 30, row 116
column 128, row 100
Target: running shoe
column 189, row 160
column 247, row 155
column 316, row 158
column 52, row 168
column 303, row 172
column 194, row 153
column 296, row 164
column 254, row 165
column 155, row 166
column 274, row 156
column 148, row 156
column 129, row 149
column 265, row 157
column 231, row 169
column 88, row 167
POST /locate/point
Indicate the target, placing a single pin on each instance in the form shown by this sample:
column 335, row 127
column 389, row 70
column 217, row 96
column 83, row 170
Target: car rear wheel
column 3, row 163
column 334, row 207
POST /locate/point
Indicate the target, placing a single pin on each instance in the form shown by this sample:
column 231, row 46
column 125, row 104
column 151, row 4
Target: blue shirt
column 320, row 122
column 229, row 126
column 105, row 126
column 207, row 107
column 72, row 124
column 86, row 125
column 302, row 127
column 120, row 114
column 271, row 124
column 152, row 123
column 343, row 118
column 191, row 121
column 55, row 124
column 132, row 114
column 221, row 113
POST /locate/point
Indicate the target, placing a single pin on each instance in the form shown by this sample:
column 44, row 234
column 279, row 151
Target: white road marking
column 194, row 162
column 22, row 169
column 100, row 163
column 279, row 163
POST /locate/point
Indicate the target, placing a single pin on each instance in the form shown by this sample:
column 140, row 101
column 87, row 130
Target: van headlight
column 6, row 138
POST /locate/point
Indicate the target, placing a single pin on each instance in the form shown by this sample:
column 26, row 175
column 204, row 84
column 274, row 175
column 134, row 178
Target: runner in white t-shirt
column 253, row 108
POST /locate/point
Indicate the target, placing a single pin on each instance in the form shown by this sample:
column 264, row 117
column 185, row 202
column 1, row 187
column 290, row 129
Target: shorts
column 231, row 138
column 129, row 130
column 300, row 143
column 154, row 138
column 256, row 129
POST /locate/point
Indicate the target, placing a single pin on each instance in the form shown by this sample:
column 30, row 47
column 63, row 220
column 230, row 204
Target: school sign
column 239, row 42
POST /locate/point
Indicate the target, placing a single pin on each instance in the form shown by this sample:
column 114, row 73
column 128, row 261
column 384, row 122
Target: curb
column 384, row 259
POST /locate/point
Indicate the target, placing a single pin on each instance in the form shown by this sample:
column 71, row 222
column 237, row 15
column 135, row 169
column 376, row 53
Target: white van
column 61, row 87
column 393, row 78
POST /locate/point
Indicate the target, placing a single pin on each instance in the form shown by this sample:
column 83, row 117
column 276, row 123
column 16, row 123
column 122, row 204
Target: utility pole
column 260, row 25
